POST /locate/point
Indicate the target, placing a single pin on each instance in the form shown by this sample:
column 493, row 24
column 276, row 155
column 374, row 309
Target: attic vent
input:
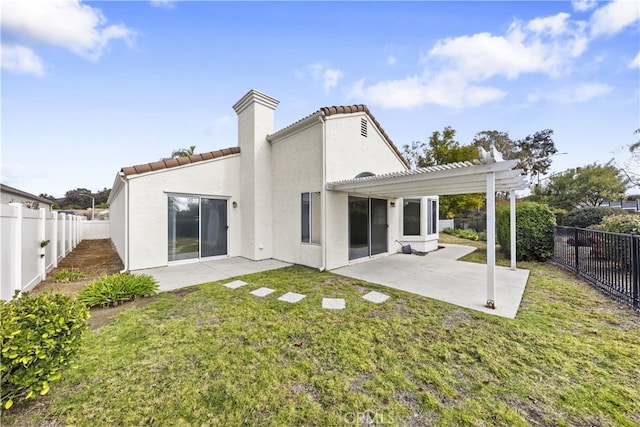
column 363, row 127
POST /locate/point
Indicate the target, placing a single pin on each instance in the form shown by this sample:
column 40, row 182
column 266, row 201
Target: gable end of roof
column 179, row 161
column 361, row 108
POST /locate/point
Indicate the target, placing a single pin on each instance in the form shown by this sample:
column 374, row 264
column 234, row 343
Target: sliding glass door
column 197, row 227
column 367, row 227
column 213, row 227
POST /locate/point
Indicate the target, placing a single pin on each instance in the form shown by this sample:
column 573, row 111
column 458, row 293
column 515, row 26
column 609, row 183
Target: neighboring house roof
column 343, row 109
column 179, row 161
column 20, row 193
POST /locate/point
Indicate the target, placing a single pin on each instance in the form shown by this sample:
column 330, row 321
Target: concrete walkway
column 194, row 273
column 440, row 276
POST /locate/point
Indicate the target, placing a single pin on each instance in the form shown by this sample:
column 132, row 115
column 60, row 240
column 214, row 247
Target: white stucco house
column 328, row 190
column 268, row 197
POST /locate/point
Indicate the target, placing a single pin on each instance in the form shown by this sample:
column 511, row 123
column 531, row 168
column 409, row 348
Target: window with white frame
column 432, row 216
column 310, row 232
column 411, row 217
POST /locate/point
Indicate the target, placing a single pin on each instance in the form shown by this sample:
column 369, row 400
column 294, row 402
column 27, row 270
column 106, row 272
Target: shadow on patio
column 440, row 276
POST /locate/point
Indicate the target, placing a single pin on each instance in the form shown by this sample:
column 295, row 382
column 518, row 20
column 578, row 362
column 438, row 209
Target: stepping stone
column 235, row 284
column 262, row 292
column 333, row 303
column 376, row 297
column 291, row 297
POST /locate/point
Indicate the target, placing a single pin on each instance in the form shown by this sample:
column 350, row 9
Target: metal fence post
column 577, row 257
column 635, row 270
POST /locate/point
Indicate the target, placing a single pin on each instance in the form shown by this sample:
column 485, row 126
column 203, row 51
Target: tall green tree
column 586, row 186
column 102, row 196
column 534, row 151
column 78, row 198
column 501, row 140
column 443, row 148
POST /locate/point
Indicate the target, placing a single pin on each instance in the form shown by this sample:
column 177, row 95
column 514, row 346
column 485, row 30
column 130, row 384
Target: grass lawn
column 209, row 355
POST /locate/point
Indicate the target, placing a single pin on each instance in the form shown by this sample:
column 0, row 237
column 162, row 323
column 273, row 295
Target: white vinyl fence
column 445, row 223
column 24, row 257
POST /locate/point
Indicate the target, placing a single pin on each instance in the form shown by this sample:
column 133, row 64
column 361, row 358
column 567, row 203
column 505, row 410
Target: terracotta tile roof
column 172, row 163
column 361, row 108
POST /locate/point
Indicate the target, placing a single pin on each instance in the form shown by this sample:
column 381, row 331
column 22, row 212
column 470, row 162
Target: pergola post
column 491, row 239
column 512, row 227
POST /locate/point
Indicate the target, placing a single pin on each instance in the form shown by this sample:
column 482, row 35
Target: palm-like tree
column 183, row 152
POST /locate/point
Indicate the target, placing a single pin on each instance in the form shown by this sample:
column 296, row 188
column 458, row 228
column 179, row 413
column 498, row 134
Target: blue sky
column 90, row 87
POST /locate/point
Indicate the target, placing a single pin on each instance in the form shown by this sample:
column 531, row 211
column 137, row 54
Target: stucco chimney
column 256, row 113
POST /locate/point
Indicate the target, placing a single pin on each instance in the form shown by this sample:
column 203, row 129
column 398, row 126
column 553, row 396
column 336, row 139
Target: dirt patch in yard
column 94, row 258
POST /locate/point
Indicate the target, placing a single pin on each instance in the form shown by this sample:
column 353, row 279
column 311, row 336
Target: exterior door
column 378, row 218
column 213, row 227
column 367, row 227
column 197, row 227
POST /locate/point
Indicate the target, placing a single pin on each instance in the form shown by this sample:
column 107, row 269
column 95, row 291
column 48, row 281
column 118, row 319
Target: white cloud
column 391, row 60
column 12, row 174
column 20, row 59
column 330, row 78
column 614, row 17
column 635, row 62
column 544, row 45
column 321, row 73
column 586, row 91
column 583, row 5
column 165, row 4
column 80, row 28
column 580, row 92
column 455, row 68
column 447, row 90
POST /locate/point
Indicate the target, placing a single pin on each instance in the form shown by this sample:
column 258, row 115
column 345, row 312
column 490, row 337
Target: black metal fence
column 609, row 261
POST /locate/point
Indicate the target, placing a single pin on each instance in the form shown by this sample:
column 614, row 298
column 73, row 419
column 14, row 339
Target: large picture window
column 411, row 217
column 419, row 217
column 310, row 217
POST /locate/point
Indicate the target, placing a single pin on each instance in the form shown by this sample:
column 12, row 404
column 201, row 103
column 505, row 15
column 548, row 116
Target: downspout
column 122, row 177
column 323, row 196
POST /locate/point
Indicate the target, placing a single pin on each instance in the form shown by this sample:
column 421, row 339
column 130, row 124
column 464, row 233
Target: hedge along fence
column 534, row 230
column 33, row 242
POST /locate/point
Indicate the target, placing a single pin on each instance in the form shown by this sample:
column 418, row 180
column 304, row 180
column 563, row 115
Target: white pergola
column 488, row 175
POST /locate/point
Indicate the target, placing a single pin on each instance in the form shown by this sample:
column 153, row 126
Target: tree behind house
column 587, row 186
column 442, row 149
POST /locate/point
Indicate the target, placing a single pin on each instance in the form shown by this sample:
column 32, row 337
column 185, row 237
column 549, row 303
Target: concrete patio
column 440, row 276
column 194, row 273
column 437, row 275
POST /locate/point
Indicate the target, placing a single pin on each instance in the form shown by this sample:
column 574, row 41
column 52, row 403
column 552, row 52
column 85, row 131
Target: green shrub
column 117, row 288
column 465, row 234
column 626, row 224
column 67, row 275
column 615, row 248
column 534, row 230
column 560, row 215
column 39, row 337
column 584, row 217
